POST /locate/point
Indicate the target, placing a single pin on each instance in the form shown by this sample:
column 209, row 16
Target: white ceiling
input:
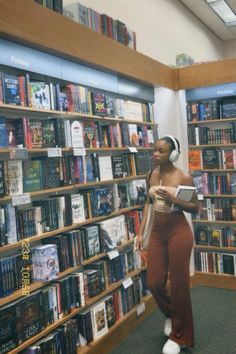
column 206, row 15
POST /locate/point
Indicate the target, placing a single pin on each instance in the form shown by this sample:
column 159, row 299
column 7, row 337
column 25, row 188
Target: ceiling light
column 223, row 10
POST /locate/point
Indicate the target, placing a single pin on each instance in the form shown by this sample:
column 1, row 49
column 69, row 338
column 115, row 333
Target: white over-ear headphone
column 175, row 153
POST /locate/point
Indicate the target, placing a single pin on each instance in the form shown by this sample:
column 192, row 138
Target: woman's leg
column 157, row 269
column 179, row 249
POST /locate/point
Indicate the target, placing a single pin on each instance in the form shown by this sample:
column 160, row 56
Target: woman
column 170, row 245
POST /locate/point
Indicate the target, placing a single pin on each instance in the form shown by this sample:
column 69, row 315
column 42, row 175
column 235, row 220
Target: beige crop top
column 158, row 203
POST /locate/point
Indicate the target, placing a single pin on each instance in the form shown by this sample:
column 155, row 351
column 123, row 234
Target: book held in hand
column 183, row 193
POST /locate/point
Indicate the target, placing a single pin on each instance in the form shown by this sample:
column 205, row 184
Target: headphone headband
column 174, row 141
column 174, row 153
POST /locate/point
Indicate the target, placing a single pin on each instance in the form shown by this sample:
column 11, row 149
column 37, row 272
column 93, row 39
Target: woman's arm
column 139, row 236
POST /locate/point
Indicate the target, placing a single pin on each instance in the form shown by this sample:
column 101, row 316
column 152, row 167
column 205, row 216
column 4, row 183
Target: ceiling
column 206, row 15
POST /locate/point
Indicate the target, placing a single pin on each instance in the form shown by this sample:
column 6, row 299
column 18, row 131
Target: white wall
column 230, row 49
column 164, row 28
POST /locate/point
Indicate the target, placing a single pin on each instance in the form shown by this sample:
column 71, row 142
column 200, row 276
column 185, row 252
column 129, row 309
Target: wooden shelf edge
column 214, row 280
column 215, row 248
column 13, row 109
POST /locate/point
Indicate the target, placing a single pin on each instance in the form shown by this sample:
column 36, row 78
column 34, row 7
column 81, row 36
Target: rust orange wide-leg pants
column 169, row 250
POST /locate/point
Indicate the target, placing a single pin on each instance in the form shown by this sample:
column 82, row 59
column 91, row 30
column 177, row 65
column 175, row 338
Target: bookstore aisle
column 214, row 323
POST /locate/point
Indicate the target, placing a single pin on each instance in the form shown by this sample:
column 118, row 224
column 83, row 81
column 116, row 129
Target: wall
column 164, row 28
column 229, row 49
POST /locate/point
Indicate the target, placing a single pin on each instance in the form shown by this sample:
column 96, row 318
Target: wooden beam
column 28, row 23
column 207, row 74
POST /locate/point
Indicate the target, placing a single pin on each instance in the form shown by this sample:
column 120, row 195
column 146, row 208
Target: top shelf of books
column 20, row 93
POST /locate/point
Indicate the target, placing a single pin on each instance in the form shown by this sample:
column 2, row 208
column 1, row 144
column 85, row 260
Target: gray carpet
column 214, row 313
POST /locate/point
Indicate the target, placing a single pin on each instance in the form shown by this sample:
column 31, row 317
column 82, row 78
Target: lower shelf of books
column 121, row 328
column 225, row 281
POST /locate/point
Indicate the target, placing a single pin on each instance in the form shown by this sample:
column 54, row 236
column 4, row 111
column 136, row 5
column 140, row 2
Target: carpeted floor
column 214, row 313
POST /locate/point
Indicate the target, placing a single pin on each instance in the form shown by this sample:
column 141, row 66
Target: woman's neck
column 166, row 168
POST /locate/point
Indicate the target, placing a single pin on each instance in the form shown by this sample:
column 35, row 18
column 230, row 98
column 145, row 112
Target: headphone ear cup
column 174, row 156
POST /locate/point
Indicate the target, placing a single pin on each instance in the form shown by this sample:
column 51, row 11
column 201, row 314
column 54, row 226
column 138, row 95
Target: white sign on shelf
column 79, row 151
column 133, row 149
column 113, row 254
column 140, row 308
column 21, row 199
column 200, row 197
column 54, row 152
column 127, row 282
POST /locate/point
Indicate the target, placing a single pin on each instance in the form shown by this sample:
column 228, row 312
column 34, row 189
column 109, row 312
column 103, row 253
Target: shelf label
column 19, row 154
column 79, row 151
column 140, row 309
column 21, row 199
column 200, row 197
column 133, row 149
column 113, row 254
column 127, row 282
column 54, row 152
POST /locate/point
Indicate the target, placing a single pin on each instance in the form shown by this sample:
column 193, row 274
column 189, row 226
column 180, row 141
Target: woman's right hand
column 139, row 242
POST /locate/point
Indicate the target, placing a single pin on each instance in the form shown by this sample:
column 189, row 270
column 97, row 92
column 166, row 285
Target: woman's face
column 161, row 152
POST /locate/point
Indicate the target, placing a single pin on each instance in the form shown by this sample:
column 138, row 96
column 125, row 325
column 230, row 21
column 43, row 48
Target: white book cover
column 15, row 177
column 99, row 320
column 105, row 168
column 38, row 220
column 77, row 134
column 77, row 206
column 11, row 231
column 45, row 262
column 108, row 235
column 183, row 193
column 40, row 95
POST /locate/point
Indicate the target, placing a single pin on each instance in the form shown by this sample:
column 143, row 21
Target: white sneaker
column 168, row 327
column 171, row 347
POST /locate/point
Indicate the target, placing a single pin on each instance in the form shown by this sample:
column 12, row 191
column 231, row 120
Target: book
column 11, row 89
column 3, row 133
column 39, row 95
column 90, row 140
column 77, row 138
column 194, row 160
column 99, row 319
column 183, row 193
column 210, row 158
column 7, row 328
column 45, row 262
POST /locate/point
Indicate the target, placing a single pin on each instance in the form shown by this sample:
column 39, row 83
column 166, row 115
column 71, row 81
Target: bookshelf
column 25, row 115
column 211, row 136
column 52, row 39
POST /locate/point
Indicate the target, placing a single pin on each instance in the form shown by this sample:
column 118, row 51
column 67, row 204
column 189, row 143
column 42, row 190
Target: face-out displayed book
column 183, row 193
column 45, row 262
column 99, row 319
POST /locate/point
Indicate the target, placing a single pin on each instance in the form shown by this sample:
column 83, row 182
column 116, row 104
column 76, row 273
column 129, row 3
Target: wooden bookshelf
column 48, row 31
column 38, row 285
column 212, row 121
column 75, row 311
column 222, row 281
column 207, row 74
column 32, row 239
column 198, row 147
column 120, row 330
column 215, row 248
column 219, row 222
